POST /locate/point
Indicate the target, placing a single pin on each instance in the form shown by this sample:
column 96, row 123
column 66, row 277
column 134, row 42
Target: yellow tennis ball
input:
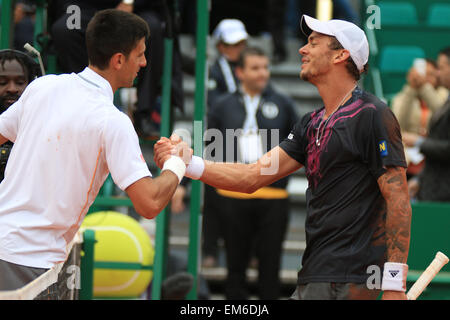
column 120, row 238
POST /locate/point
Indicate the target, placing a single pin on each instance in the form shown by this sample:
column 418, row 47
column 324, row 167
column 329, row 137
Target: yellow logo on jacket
column 383, row 148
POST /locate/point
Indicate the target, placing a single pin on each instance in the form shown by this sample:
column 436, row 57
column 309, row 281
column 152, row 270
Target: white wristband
column 176, row 165
column 394, row 276
column 195, row 168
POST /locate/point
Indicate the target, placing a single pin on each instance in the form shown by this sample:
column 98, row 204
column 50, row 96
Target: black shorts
column 14, row 276
column 334, row 291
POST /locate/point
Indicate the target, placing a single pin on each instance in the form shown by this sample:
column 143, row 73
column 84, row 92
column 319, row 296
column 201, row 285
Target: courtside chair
column 394, row 63
column 399, row 58
column 397, row 14
column 439, row 15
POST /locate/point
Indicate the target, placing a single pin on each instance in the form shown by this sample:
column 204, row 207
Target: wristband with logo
column 394, row 276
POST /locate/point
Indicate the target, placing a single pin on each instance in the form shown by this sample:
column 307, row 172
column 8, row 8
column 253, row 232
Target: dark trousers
column 211, row 222
column 276, row 11
column 334, row 291
column 14, row 276
column 266, row 222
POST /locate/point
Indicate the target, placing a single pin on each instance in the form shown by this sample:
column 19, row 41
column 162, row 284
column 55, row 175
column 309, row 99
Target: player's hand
column 182, row 149
column 413, row 78
column 165, row 148
column 393, row 295
column 175, row 139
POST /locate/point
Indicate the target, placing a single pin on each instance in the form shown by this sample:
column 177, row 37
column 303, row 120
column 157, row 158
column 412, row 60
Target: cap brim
column 309, row 24
column 235, row 37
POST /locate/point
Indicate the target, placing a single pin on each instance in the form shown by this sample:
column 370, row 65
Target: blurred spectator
column 72, row 55
column 294, row 10
column 276, row 10
column 433, row 183
column 24, row 14
column 416, row 103
column 344, row 10
column 260, row 218
column 17, row 70
column 231, row 38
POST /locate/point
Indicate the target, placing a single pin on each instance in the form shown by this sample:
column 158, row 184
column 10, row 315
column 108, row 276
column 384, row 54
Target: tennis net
column 61, row 282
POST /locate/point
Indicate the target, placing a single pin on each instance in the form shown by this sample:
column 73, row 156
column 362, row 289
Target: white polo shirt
column 67, row 137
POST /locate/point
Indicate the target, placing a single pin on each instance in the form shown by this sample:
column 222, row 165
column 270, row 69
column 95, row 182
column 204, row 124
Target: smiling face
column 13, row 81
column 317, row 57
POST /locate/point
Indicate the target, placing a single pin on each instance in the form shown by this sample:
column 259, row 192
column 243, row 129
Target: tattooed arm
column 394, row 188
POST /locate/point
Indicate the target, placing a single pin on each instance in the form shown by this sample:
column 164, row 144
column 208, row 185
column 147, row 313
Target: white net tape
column 35, row 287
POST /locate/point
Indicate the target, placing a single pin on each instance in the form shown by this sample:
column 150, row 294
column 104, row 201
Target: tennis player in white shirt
column 68, row 136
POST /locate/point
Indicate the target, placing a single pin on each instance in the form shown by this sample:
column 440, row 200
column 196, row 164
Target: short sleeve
column 295, row 143
column 123, row 153
column 379, row 139
column 10, row 119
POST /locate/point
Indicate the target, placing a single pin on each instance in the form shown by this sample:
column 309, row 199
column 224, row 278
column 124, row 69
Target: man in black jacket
column 433, row 183
column 231, row 37
column 251, row 121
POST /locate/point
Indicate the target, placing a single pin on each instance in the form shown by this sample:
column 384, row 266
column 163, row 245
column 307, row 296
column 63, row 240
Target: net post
column 87, row 265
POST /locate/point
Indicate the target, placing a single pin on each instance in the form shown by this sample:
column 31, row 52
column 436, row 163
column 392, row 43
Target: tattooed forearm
column 394, row 188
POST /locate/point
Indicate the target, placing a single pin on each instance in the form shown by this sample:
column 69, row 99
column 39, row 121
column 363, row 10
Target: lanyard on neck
column 228, row 74
column 251, row 107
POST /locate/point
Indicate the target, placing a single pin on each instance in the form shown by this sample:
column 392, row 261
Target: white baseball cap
column 230, row 31
column 349, row 35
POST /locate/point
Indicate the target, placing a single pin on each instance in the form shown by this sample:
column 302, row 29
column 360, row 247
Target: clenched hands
column 165, row 148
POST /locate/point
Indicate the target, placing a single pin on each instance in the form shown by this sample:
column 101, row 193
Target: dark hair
column 446, row 52
column 350, row 65
column 249, row 51
column 30, row 67
column 113, row 31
